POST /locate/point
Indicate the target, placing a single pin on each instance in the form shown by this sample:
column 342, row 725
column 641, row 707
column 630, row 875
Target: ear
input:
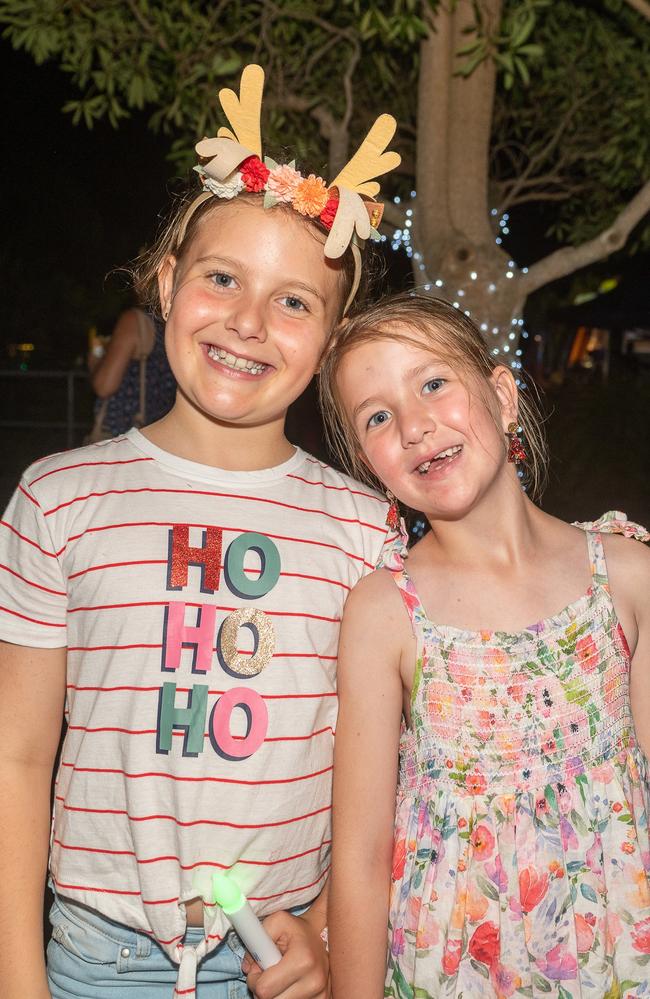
column 506, row 392
column 166, row 275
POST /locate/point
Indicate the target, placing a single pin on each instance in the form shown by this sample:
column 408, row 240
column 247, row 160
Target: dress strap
column 597, row 559
column 414, row 608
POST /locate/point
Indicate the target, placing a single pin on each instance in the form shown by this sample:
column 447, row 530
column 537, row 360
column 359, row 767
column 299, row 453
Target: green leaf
column 588, row 892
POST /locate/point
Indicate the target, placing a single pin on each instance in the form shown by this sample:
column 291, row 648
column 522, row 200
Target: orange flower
column 556, row 869
column 532, row 888
column 310, row 196
column 627, row 847
column 475, row 783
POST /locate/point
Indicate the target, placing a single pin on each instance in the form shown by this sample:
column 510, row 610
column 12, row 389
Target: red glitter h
column 182, row 555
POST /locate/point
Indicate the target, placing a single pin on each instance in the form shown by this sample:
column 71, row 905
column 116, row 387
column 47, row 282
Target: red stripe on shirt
column 206, row 735
column 29, row 541
column 30, row 498
column 340, row 489
column 192, row 822
column 233, row 530
column 158, row 645
column 194, row 780
column 46, row 589
column 186, row 690
column 33, row 620
column 209, row 492
column 249, row 571
column 164, row 603
column 190, row 867
column 87, row 464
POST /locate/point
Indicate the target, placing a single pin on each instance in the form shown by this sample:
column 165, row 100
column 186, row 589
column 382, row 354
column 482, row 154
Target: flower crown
column 346, row 208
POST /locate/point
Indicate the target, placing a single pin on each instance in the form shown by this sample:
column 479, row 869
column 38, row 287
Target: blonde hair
column 447, row 330
column 174, row 239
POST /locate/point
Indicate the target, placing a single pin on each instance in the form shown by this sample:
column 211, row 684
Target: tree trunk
column 455, row 254
column 453, row 237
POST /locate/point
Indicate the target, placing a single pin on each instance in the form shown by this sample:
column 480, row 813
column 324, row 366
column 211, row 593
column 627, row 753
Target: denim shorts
column 90, row 957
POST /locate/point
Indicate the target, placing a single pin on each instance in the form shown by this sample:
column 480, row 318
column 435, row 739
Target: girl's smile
column 433, row 437
column 250, row 306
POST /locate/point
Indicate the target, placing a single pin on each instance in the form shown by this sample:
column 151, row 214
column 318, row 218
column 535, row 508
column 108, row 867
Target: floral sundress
column 522, row 858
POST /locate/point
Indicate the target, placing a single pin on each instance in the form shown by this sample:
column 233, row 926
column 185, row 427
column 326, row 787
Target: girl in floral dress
column 508, row 851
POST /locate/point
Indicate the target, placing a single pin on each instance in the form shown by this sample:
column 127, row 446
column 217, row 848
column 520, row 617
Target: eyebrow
column 415, row 372
column 232, row 262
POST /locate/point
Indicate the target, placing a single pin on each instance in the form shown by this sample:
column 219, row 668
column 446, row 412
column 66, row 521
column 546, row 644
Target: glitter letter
column 178, row 635
column 181, row 556
column 192, row 718
column 227, row 745
column 238, row 663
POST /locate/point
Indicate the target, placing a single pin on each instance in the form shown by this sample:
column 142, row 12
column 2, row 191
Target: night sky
column 78, row 204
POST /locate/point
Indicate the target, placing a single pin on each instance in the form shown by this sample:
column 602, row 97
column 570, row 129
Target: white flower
column 230, row 188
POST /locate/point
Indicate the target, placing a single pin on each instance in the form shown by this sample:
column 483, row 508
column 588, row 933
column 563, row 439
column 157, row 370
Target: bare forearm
column 24, row 835
column 358, row 920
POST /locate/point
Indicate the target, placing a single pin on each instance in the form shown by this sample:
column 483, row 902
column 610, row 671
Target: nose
column 415, row 422
column 246, row 319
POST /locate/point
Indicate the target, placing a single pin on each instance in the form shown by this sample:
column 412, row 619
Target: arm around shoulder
column 32, row 693
column 374, row 634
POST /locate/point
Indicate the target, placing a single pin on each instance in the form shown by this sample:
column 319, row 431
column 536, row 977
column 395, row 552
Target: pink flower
column 584, row 934
column 641, row 936
column 451, row 957
column 594, row 856
column 558, row 965
column 532, row 888
column 506, row 981
column 587, row 654
column 398, row 942
column 497, row 875
column 569, row 838
column 482, row 840
column 282, row 182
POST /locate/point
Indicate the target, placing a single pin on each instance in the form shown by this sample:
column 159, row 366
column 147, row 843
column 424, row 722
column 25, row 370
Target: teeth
column 449, row 453
column 238, row 363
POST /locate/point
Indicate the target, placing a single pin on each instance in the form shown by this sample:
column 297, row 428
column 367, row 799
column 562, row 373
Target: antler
column 370, row 160
column 244, row 112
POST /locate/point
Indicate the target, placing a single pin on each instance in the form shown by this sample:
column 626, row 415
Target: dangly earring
column 392, row 517
column 516, row 450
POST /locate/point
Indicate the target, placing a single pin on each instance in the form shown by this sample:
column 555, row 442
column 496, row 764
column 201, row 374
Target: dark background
column 78, row 205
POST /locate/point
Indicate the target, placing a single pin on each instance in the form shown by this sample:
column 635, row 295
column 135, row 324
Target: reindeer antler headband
column 346, row 207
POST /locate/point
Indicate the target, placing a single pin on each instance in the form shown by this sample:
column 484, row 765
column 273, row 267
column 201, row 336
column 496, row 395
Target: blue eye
column 222, row 280
column 433, row 385
column 378, row 419
column 294, row 304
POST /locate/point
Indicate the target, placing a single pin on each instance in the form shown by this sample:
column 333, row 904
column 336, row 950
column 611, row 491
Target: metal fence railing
column 38, row 407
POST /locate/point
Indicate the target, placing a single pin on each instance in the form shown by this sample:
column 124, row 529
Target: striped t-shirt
column 201, row 610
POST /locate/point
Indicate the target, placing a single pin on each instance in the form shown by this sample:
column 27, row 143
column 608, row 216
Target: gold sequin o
column 240, row 663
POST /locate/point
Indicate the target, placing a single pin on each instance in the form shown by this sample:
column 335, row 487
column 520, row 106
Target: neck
column 503, row 529
column 192, row 435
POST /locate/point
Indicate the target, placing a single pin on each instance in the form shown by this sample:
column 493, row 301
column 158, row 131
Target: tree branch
column 641, row 6
column 572, row 258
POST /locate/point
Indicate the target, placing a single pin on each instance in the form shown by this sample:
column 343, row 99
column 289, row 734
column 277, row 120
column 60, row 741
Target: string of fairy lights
column 401, row 240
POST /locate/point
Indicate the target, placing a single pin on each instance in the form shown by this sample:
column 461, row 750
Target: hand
column 303, row 972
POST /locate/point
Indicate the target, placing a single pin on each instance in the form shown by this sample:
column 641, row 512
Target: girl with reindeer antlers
column 177, row 592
